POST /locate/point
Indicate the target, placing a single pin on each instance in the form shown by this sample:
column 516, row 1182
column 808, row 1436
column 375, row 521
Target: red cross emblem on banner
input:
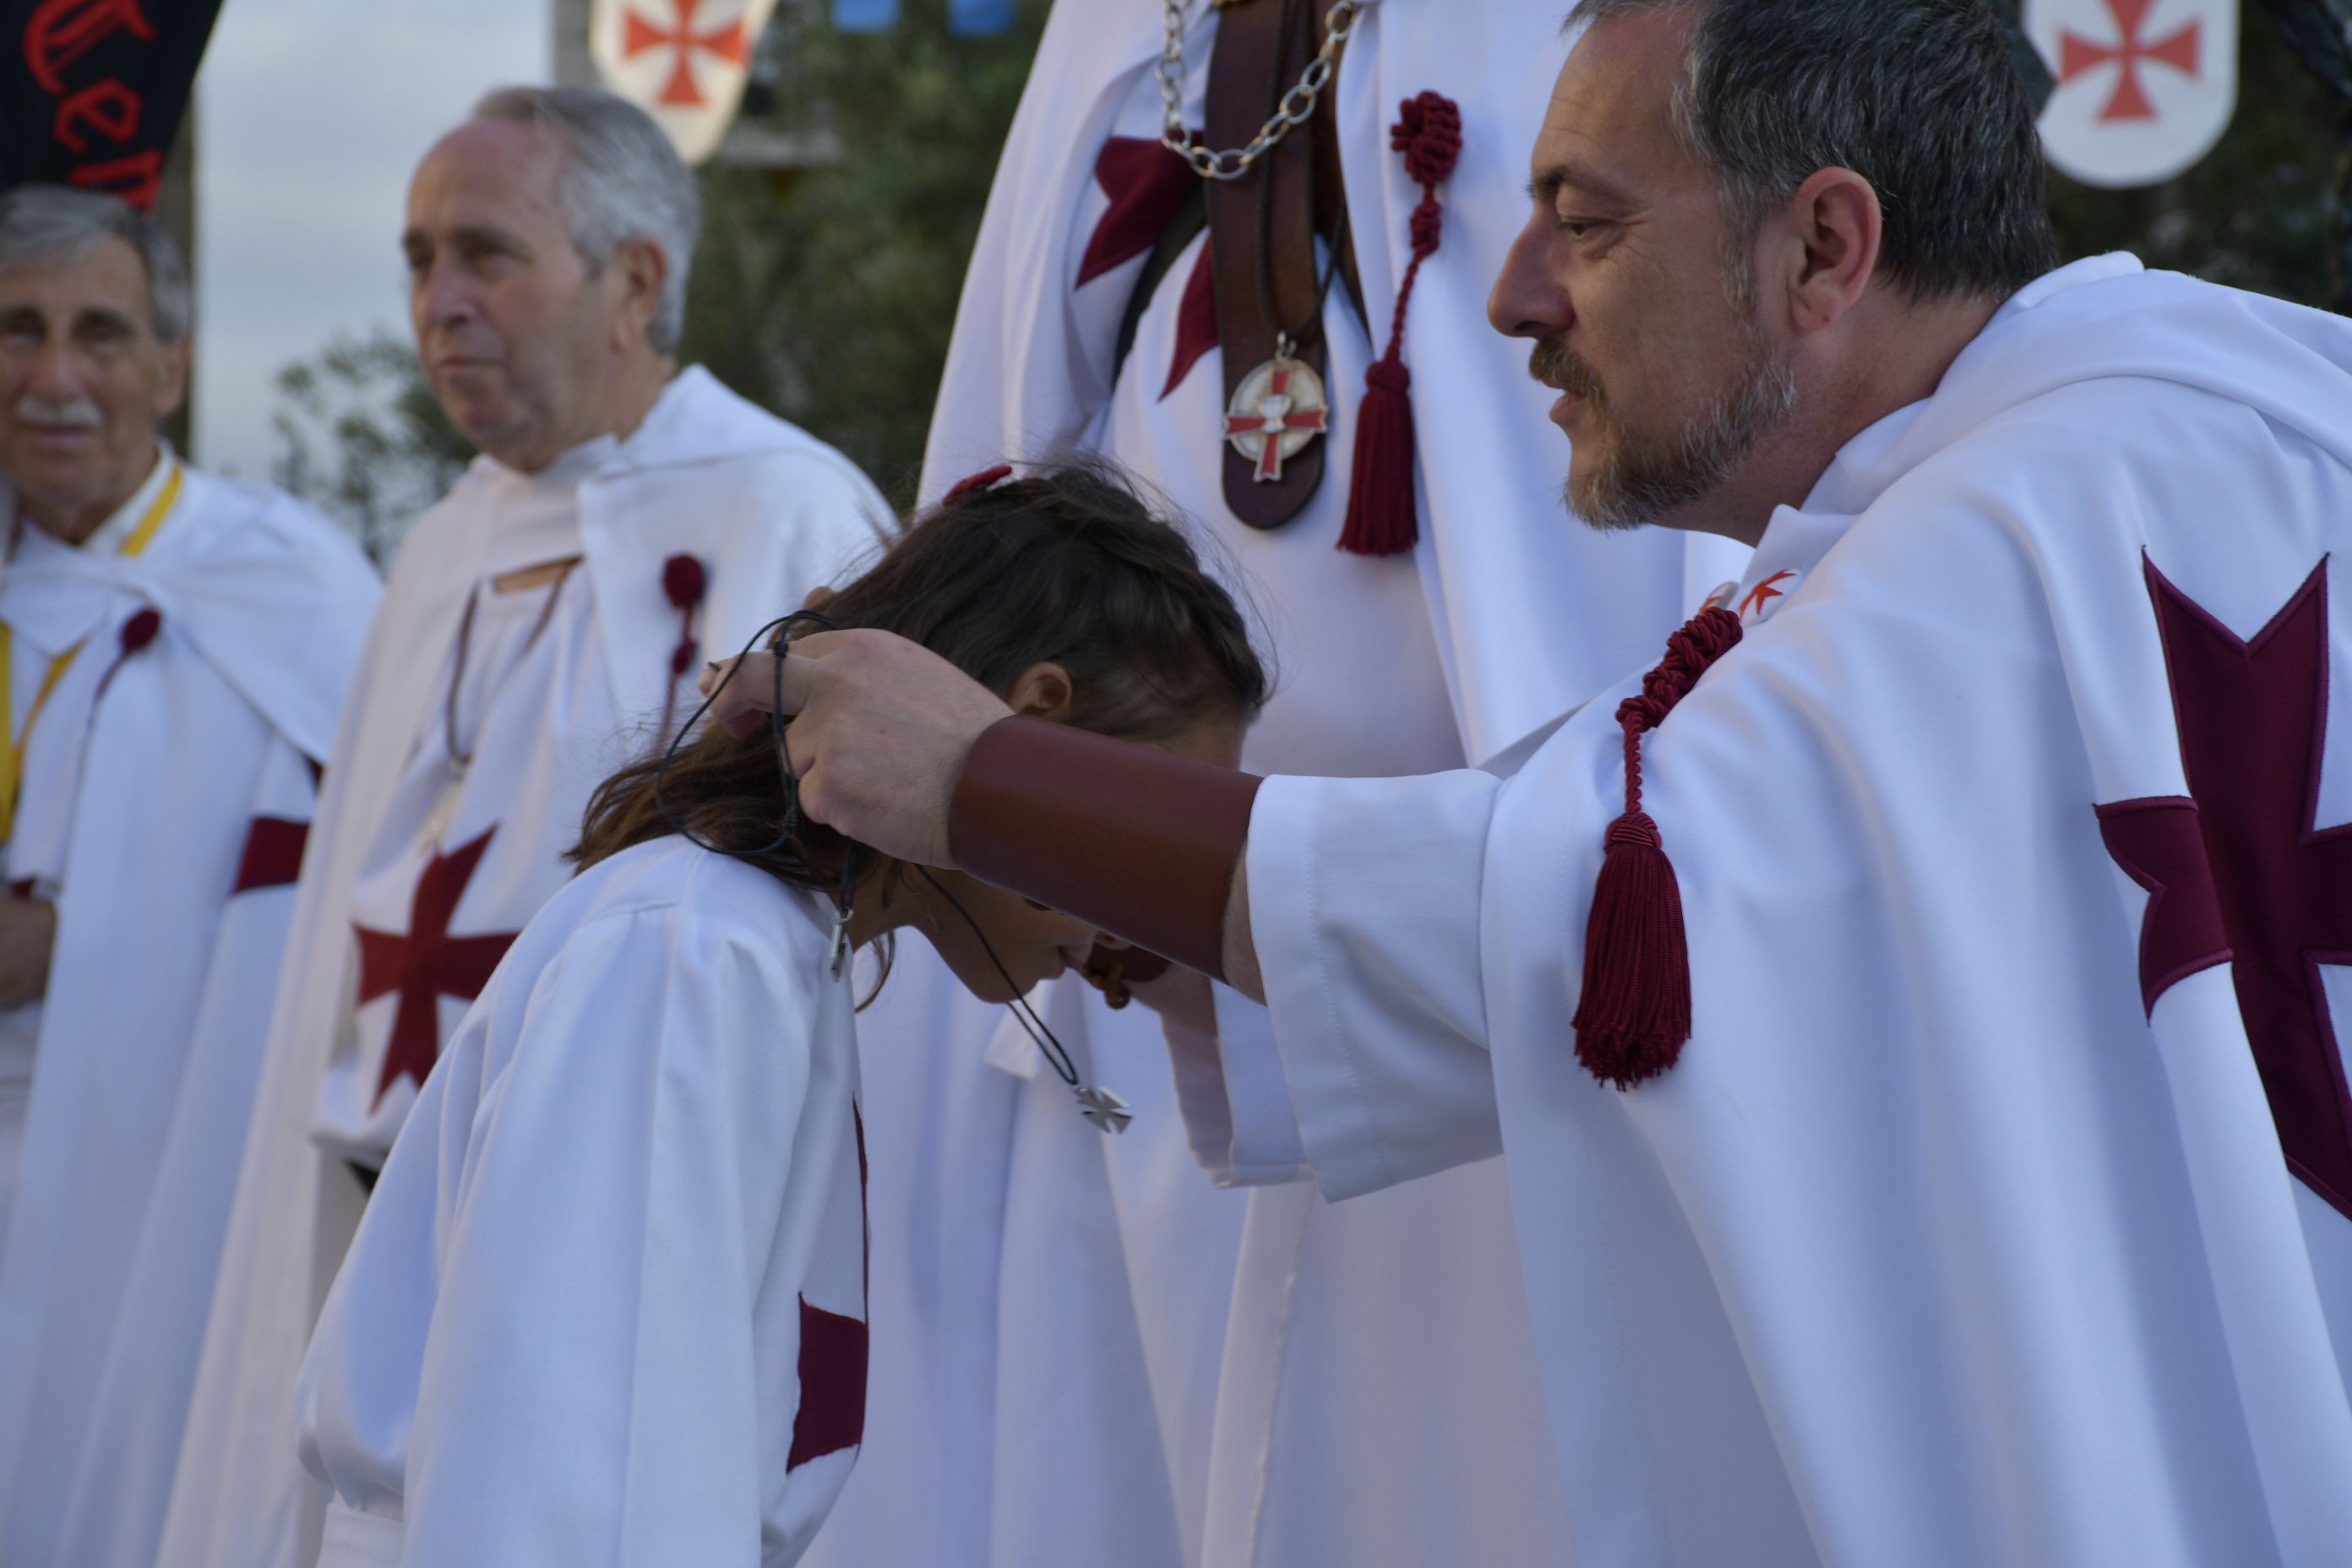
column 427, row 965
column 1276, row 410
column 2078, row 55
column 730, row 43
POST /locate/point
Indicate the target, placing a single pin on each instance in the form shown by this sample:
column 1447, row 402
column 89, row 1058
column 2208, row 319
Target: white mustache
column 80, row 413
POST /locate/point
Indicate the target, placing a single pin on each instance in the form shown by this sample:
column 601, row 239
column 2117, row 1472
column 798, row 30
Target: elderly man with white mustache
column 151, row 618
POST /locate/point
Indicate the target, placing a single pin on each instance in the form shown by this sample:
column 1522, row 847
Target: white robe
column 608, row 1303
column 1963, row 1233
column 165, row 800
column 1368, row 1403
column 769, row 513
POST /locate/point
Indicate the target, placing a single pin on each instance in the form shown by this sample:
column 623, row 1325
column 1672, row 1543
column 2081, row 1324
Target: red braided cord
column 1690, row 652
column 1428, row 131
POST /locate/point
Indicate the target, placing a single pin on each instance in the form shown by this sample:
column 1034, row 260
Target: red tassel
column 685, row 580
column 1635, row 1014
column 1382, row 516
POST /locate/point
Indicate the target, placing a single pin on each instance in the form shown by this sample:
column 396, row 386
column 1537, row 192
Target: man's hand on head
column 28, row 933
column 879, row 730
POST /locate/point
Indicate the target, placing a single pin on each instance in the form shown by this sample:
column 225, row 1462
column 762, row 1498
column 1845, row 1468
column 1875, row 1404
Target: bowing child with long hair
column 608, row 1304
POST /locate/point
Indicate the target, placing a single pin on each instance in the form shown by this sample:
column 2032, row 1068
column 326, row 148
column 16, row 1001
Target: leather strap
column 1250, row 67
column 1128, row 838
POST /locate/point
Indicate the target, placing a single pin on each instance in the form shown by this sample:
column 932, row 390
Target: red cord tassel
column 684, row 583
column 1384, row 517
column 1635, row 1014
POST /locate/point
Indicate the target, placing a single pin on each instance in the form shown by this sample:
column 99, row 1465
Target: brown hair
column 1068, row 568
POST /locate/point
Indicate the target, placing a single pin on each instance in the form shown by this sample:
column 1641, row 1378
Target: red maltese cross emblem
column 2241, row 870
column 1276, row 410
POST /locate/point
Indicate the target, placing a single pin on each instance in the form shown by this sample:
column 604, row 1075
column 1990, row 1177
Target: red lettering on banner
column 61, row 31
column 135, row 179
column 105, row 106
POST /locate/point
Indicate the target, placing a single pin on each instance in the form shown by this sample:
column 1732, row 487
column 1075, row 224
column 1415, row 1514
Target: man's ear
column 173, row 390
column 1041, row 691
column 1837, row 227
column 640, row 270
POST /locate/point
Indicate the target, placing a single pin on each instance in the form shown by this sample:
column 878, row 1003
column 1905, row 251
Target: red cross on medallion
column 427, row 965
column 1275, row 416
column 2236, row 871
column 729, row 42
column 2077, row 54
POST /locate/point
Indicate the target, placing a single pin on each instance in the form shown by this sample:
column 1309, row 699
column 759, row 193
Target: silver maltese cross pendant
column 1105, row 1110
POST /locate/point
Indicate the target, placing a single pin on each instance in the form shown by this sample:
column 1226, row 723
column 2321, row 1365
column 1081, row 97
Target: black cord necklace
column 1103, row 1107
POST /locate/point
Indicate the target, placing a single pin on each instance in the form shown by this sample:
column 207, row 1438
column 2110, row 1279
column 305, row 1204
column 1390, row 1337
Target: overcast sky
column 310, row 116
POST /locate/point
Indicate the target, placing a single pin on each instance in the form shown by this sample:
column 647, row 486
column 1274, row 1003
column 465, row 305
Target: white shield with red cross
column 2144, row 88
column 684, row 62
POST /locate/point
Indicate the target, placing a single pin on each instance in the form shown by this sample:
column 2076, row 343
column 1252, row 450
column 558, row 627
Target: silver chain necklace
column 1297, row 109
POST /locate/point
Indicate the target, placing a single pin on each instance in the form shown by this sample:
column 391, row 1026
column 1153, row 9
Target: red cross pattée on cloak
column 2237, row 872
column 2078, row 55
column 832, row 1413
column 427, row 965
column 1277, row 415
column 730, row 43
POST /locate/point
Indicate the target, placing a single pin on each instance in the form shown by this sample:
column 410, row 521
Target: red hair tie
column 984, row 479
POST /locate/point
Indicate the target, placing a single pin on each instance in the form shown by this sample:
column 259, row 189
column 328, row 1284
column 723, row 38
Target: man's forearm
column 1142, row 845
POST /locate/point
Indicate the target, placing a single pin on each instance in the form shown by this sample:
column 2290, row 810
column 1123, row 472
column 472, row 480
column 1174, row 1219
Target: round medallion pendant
column 1276, row 410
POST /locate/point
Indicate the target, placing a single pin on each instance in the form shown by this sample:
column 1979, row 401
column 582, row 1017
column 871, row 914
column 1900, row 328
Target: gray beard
column 1637, row 484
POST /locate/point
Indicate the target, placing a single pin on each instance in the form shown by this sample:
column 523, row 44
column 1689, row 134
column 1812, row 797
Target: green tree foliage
column 827, row 292
column 359, row 433
column 2257, row 212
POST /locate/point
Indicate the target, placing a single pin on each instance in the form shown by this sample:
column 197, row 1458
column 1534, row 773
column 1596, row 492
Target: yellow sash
column 12, row 754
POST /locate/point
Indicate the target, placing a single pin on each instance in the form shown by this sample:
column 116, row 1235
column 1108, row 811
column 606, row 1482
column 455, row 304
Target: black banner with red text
column 92, row 92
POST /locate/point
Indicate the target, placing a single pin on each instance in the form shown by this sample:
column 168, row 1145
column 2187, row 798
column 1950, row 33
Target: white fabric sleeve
column 591, row 1391
column 1366, row 901
column 1235, row 1103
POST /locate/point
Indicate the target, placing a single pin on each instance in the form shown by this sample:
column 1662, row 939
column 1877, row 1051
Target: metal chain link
column 1297, row 109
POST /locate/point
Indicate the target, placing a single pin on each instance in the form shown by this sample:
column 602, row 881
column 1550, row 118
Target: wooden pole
column 571, row 65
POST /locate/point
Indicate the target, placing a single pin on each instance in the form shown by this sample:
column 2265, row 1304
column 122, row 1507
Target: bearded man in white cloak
column 1098, row 1357
column 540, row 629
column 174, row 651
column 1913, row 1010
